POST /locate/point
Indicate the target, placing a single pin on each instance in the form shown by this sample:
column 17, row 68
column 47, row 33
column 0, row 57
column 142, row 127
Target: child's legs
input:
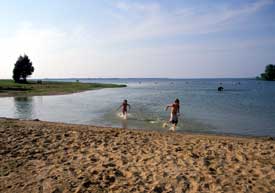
column 124, row 114
column 175, row 123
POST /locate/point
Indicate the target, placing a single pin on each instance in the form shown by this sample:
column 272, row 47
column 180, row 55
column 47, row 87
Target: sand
column 40, row 156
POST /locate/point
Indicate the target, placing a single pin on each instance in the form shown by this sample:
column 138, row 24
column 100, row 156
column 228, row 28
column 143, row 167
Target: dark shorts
column 174, row 119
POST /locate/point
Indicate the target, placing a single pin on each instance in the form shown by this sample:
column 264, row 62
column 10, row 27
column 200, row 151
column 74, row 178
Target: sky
column 142, row 38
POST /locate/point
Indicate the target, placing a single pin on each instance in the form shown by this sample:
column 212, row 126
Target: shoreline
column 163, row 131
column 8, row 88
column 38, row 156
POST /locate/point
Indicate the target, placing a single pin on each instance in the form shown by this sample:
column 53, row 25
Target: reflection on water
column 24, row 107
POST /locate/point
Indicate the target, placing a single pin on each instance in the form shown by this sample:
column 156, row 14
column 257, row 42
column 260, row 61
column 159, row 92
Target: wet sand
column 40, row 156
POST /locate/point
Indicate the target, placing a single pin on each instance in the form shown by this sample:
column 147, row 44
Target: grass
column 33, row 88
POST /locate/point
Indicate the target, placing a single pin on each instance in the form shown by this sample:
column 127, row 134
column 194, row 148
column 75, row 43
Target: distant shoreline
column 148, row 78
column 45, row 88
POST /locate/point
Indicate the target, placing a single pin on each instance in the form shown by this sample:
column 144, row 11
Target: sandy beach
column 41, row 157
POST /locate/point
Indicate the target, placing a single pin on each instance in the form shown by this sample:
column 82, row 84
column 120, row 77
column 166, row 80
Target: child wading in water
column 175, row 112
column 123, row 107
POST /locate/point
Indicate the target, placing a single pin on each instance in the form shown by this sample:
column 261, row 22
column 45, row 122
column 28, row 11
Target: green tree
column 269, row 73
column 22, row 69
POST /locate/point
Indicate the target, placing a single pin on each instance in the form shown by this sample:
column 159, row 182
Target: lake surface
column 245, row 107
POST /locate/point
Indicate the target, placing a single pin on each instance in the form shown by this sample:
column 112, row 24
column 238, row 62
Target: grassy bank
column 33, row 88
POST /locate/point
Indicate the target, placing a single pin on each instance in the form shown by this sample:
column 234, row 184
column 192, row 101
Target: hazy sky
column 118, row 38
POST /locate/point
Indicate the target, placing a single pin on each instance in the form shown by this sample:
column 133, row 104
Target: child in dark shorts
column 175, row 111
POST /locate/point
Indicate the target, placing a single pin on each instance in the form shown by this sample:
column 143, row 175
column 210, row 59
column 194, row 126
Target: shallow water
column 245, row 107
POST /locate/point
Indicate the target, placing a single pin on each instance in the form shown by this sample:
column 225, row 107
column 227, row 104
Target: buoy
column 220, row 88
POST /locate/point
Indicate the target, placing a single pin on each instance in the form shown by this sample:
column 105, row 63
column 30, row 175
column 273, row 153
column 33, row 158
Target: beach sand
column 41, row 157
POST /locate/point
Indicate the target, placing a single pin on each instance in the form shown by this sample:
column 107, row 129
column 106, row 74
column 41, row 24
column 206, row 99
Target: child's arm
column 167, row 107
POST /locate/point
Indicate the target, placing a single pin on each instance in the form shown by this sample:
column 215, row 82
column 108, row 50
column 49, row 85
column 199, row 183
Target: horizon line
column 177, row 78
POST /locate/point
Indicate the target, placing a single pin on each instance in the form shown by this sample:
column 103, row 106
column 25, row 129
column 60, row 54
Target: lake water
column 245, row 107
